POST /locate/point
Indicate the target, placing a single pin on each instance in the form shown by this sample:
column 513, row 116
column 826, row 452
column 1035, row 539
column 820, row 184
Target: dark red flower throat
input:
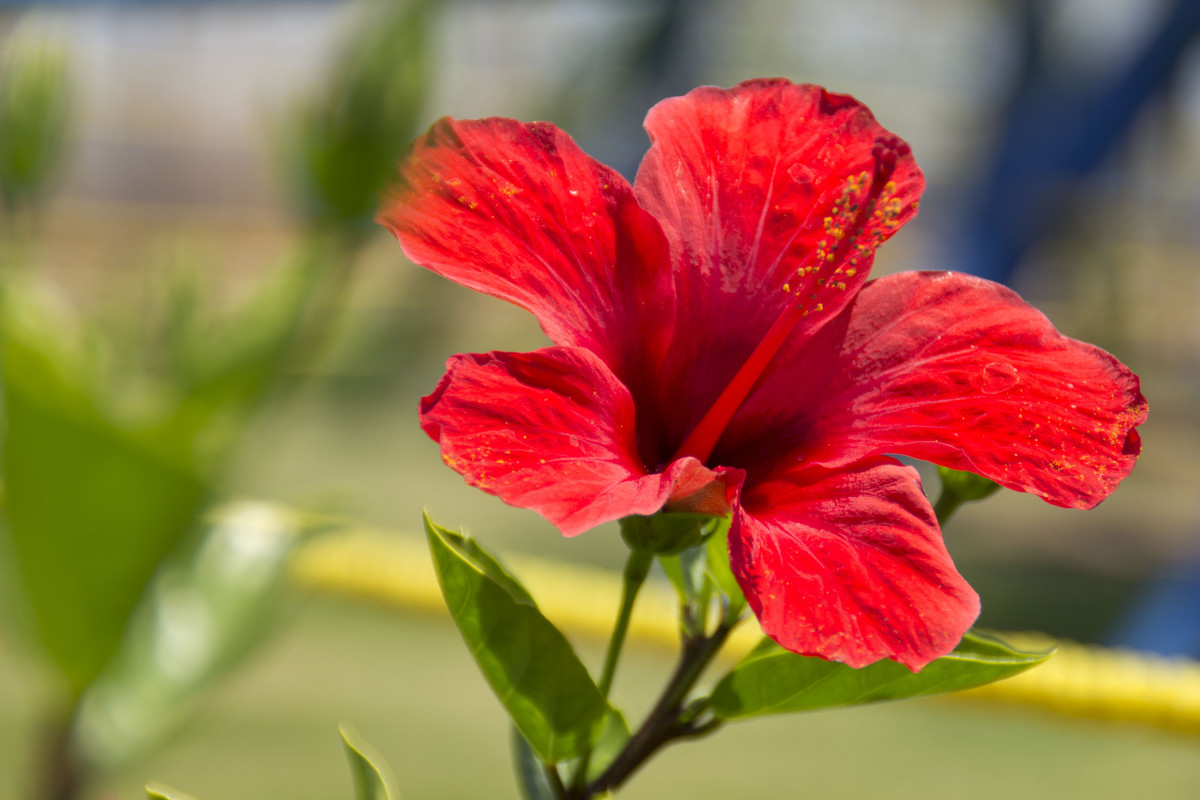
column 863, row 216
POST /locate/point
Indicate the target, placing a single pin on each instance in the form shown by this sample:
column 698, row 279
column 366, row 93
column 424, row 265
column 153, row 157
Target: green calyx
column 668, row 533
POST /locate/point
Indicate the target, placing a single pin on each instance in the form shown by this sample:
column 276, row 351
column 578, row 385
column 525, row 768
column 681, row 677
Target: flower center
column 863, row 215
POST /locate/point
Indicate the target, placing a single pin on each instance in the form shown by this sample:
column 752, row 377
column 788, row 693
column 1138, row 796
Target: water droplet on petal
column 998, row 377
column 803, row 175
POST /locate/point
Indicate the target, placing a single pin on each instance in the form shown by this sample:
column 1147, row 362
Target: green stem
column 556, row 783
column 947, row 503
column 666, row 720
column 63, row 772
column 636, row 570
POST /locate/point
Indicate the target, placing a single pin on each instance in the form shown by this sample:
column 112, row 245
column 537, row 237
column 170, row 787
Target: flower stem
column 636, row 570
column 669, row 719
column 556, row 784
column 947, row 503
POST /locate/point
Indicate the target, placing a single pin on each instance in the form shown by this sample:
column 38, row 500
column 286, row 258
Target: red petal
column 850, row 566
column 553, row 431
column 962, row 372
column 518, row 211
column 742, row 181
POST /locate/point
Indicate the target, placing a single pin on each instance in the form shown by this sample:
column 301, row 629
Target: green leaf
column 719, row 570
column 367, row 767
column 201, row 616
column 701, row 570
column 688, row 573
column 109, row 462
column 771, row 680
column 612, row 740
column 157, row 791
column 532, row 780
column 92, row 506
column 529, row 664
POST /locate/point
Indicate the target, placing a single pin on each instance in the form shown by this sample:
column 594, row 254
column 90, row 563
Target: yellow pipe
column 1080, row 680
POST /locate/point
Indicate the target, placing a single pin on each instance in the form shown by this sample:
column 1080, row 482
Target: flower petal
column 850, row 566
column 746, row 183
column 553, row 431
column 518, row 211
column 962, row 372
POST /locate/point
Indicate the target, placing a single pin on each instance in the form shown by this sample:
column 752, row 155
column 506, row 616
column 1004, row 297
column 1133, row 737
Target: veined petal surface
column 959, row 371
column 518, row 211
column 850, row 566
column 553, row 431
column 758, row 190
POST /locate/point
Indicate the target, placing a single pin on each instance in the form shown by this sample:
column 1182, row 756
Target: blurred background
column 196, row 309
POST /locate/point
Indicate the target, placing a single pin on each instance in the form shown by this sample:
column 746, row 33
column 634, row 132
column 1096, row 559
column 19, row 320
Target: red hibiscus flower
column 717, row 347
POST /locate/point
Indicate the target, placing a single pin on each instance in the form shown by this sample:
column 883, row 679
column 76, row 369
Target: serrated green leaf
column 157, row 791
column 771, row 680
column 526, row 660
column 367, row 767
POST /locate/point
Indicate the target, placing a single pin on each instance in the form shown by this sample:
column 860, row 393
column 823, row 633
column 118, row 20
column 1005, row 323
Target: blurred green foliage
column 92, row 505
column 119, row 423
column 113, row 445
column 367, row 768
column 35, row 103
column 157, row 791
column 201, row 615
column 355, row 129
